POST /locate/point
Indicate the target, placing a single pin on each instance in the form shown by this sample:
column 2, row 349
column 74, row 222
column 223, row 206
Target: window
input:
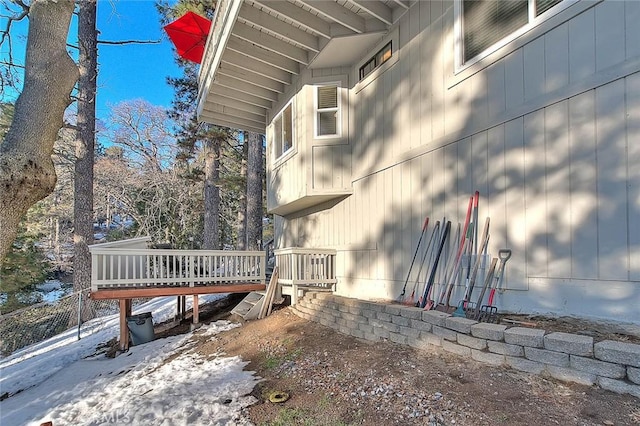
column 327, row 111
column 486, row 22
column 378, row 59
column 283, row 132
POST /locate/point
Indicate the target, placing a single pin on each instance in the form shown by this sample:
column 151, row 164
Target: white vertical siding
column 582, row 180
column 547, row 137
column 633, row 160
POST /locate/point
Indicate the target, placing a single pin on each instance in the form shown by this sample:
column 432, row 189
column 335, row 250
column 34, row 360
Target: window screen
column 327, row 110
column 488, row 21
column 485, row 22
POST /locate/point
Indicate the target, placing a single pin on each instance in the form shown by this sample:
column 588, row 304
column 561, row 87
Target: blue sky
column 125, row 71
column 137, row 70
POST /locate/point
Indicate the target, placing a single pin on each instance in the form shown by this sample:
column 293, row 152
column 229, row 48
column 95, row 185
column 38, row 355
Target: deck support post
column 181, row 309
column 196, row 311
column 125, row 311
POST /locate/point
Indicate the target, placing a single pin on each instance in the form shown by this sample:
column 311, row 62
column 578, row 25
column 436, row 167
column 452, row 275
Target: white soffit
column 345, row 50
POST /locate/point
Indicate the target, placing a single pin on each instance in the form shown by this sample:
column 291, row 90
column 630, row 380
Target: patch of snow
column 160, row 382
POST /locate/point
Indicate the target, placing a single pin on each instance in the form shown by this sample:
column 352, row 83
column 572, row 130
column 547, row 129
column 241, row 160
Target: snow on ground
column 160, row 382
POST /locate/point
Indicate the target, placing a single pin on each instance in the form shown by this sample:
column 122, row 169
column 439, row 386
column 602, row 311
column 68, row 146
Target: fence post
column 79, row 312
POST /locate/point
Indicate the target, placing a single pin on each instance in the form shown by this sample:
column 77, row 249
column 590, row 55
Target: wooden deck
column 134, row 293
column 126, row 270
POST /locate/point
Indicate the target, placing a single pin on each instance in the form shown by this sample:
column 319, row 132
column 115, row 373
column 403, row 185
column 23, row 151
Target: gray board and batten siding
column 547, row 128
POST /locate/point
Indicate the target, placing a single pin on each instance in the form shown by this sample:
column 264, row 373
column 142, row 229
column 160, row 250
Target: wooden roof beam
column 227, row 110
column 243, row 47
column 234, row 103
column 337, row 13
column 376, row 9
column 241, row 96
column 287, row 31
column 250, row 77
column 242, row 61
column 269, row 42
column 298, row 15
column 234, row 122
column 402, row 3
column 243, row 86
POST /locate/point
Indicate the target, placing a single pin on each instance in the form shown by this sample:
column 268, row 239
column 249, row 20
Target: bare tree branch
column 121, row 42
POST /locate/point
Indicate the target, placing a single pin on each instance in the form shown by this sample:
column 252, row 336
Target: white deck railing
column 144, row 268
column 308, row 267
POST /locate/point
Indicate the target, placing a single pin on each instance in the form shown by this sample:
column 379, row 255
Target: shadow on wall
column 558, row 180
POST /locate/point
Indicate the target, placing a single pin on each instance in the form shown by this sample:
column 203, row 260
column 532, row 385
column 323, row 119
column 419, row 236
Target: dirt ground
column 333, row 379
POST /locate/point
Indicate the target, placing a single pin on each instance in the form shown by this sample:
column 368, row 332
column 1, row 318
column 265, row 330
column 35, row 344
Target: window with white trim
column 283, row 132
column 485, row 23
column 327, row 111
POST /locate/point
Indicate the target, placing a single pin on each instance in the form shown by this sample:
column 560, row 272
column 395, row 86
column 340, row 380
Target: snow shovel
column 488, row 312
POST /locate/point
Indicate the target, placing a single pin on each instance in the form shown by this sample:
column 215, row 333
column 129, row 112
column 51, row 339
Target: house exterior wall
column 545, row 128
column 309, row 170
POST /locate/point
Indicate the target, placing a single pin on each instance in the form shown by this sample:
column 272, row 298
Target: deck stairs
column 253, row 305
column 249, row 308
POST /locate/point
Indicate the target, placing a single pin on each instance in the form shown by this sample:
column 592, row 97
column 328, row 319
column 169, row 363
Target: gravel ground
column 333, row 379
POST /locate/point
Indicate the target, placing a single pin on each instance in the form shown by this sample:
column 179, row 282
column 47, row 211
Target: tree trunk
column 26, row 170
column 242, row 202
column 85, row 144
column 254, row 192
column 211, row 239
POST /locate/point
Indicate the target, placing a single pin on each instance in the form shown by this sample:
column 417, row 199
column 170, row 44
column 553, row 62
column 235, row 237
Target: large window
column 327, row 111
column 283, row 132
column 487, row 22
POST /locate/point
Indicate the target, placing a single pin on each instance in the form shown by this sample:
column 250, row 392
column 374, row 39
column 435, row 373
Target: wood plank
column 514, row 79
column 535, row 196
column 224, row 109
column 251, row 77
column 271, row 43
column 426, row 57
column 228, row 102
column 632, row 29
column 610, row 36
column 132, row 293
column 516, row 236
column 196, row 310
column 633, row 159
column 298, row 16
column 245, row 87
column 240, row 60
column 337, row 13
column 287, row 31
column 582, row 180
column 124, row 330
column 556, row 58
column 611, row 154
column 496, row 89
column 534, row 78
column 241, row 96
column 265, row 56
column 557, row 188
column 582, row 50
column 377, row 9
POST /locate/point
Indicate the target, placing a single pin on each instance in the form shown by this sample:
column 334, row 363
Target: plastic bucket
column 141, row 328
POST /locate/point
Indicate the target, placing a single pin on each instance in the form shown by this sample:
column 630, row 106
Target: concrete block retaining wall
column 612, row 365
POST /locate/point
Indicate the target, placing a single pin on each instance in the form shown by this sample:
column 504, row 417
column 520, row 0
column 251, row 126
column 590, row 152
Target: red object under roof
column 189, row 35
